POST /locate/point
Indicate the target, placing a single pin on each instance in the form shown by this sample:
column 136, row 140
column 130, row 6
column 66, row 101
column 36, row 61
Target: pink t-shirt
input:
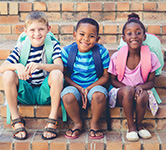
column 132, row 77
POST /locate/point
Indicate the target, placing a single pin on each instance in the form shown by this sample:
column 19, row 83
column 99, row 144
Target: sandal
column 51, row 130
column 94, row 132
column 20, row 121
column 72, row 131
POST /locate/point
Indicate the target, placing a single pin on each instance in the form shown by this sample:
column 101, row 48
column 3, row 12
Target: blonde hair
column 36, row 16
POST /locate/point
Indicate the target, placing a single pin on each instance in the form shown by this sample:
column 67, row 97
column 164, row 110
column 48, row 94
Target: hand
column 84, row 93
column 138, row 91
column 22, row 74
column 31, row 67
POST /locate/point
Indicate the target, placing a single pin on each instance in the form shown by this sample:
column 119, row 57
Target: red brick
column 96, row 15
column 43, row 111
column 95, row 6
column 164, row 29
column 100, row 29
column 150, row 6
column 109, row 6
column 3, row 8
column 152, row 16
column 52, row 6
column 136, row 6
column 18, row 29
column 161, row 6
column 54, row 28
column 110, row 29
column 64, row 29
column 25, row 6
column 26, row 111
column 115, row 112
column 82, row 6
column 115, row 124
column 68, row 16
column 108, row 16
column 123, row 6
column 9, row 19
column 23, row 16
column 122, row 16
column 54, row 16
column 13, row 8
column 81, row 15
column 76, row 145
column 161, row 124
column 155, row 29
column 67, row 6
column 5, row 29
column 95, row 145
column 40, row 6
column 131, row 145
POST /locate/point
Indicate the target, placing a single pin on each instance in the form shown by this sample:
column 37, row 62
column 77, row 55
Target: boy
column 37, row 82
column 84, row 84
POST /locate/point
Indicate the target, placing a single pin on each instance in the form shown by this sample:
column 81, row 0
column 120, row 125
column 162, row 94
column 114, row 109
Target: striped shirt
column 84, row 73
column 36, row 55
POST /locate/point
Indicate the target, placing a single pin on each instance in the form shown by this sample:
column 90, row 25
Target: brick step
column 113, row 140
column 37, row 120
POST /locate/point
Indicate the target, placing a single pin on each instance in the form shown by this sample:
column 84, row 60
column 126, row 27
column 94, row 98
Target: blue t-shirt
column 84, row 73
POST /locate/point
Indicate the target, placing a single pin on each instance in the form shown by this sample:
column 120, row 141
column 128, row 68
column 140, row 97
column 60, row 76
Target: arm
column 115, row 82
column 31, row 67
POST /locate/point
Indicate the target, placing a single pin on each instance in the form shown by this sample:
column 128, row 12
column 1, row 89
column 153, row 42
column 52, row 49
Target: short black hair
column 89, row 21
column 133, row 18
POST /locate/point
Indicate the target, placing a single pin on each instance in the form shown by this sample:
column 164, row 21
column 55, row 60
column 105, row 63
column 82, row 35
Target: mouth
column 134, row 42
column 84, row 44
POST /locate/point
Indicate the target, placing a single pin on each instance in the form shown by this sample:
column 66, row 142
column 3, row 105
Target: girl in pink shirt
column 131, row 89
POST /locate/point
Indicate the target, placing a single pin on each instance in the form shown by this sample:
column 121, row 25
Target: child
column 37, row 82
column 83, row 83
column 132, row 71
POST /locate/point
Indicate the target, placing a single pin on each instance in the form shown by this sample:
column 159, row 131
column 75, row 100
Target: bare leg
column 141, row 106
column 126, row 99
column 10, row 82
column 55, row 82
column 73, row 110
column 98, row 106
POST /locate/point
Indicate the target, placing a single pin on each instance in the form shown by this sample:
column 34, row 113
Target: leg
column 141, row 106
column 72, row 107
column 98, row 106
column 55, row 81
column 10, row 82
column 126, row 100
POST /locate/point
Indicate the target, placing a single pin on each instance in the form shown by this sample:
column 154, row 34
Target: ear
column 74, row 35
column 48, row 28
column 124, row 39
column 98, row 38
column 144, row 37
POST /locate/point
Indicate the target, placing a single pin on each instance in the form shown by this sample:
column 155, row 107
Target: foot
column 132, row 136
column 145, row 134
column 19, row 132
column 95, row 132
column 74, row 132
column 50, row 130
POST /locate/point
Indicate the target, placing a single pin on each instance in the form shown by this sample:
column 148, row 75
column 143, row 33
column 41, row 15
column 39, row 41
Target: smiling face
column 37, row 32
column 134, row 36
column 86, row 37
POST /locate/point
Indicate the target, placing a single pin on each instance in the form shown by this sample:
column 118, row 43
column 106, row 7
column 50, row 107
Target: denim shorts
column 76, row 93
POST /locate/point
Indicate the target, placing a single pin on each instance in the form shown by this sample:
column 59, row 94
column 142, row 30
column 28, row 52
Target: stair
column 63, row 16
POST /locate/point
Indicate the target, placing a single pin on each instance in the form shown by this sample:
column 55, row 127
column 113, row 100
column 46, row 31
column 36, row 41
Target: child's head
column 134, row 31
column 86, row 35
column 36, row 27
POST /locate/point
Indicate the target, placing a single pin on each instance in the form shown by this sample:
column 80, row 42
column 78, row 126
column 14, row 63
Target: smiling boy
column 37, row 82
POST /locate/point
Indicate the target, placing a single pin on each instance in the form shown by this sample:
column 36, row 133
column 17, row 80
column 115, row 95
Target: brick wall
column 64, row 15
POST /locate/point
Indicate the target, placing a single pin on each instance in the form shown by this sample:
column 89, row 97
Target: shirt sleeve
column 104, row 57
column 57, row 50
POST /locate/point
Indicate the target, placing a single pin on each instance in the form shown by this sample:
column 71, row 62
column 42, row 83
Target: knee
column 128, row 92
column 142, row 100
column 99, row 97
column 56, row 76
column 9, row 76
column 68, row 99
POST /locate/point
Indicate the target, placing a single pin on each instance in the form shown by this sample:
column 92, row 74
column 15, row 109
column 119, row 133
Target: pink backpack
column 145, row 62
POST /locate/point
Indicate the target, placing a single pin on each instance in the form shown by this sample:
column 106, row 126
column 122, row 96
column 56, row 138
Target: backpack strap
column 145, row 62
column 97, row 60
column 96, row 56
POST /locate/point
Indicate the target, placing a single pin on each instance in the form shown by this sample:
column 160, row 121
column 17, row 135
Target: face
column 134, row 36
column 37, row 32
column 86, row 37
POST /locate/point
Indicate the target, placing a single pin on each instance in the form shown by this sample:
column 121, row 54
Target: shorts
column 34, row 95
column 152, row 105
column 76, row 93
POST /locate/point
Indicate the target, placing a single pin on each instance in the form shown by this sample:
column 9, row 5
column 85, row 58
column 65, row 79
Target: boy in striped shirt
column 37, row 82
column 84, row 86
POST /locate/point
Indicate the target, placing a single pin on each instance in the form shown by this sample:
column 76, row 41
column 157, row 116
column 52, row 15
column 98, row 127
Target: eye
column 138, row 33
column 41, row 29
column 32, row 30
column 91, row 36
column 82, row 34
column 129, row 33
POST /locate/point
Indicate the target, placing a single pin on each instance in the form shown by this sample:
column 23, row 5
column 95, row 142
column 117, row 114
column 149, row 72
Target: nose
column 86, row 38
column 37, row 32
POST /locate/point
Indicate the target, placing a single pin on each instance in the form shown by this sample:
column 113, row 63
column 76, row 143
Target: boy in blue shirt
column 83, row 84
column 37, row 82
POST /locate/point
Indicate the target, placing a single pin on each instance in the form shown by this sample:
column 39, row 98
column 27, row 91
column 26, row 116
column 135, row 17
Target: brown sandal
column 20, row 121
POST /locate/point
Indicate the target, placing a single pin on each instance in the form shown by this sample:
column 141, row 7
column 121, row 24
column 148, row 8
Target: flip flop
column 51, row 130
column 72, row 131
column 95, row 137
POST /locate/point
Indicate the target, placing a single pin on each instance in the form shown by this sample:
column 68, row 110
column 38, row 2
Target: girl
column 132, row 71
